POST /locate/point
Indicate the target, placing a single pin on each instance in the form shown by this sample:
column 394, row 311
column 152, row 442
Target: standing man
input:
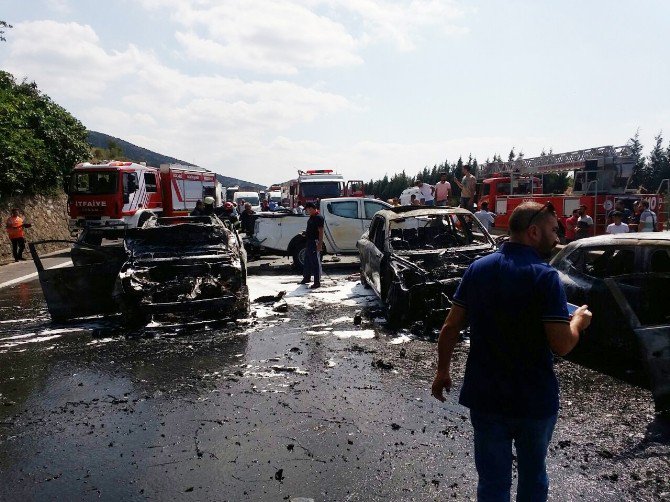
column 571, row 226
column 199, row 209
column 247, row 219
column 486, row 218
column 648, row 218
column 442, row 191
column 427, row 192
column 516, row 308
column 15, row 226
column 584, row 224
column 618, row 227
column 468, row 186
column 314, row 235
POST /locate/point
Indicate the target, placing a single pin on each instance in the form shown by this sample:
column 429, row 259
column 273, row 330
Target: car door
column 370, row 208
column 587, row 268
column 375, row 253
column 344, row 225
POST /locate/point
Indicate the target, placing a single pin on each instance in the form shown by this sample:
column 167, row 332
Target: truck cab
column 113, row 194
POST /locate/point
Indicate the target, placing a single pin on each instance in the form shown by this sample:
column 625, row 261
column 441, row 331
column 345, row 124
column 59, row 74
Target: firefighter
column 15, row 226
column 209, row 206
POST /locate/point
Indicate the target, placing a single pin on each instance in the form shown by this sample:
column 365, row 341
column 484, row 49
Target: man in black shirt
column 314, row 234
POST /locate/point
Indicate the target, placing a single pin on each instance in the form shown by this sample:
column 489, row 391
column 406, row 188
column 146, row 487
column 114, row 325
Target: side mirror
column 132, row 183
column 330, row 207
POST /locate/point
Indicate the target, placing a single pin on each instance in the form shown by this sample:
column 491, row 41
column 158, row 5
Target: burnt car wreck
column 624, row 279
column 414, row 259
column 170, row 266
column 183, row 264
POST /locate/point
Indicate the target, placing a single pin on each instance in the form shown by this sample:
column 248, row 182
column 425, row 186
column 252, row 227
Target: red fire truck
column 126, row 194
column 317, row 184
column 600, row 178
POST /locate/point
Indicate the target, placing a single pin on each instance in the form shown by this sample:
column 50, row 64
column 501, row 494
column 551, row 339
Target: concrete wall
column 47, row 214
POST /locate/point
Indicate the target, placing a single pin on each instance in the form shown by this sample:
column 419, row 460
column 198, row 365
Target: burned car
column 193, row 265
column 624, row 279
column 414, row 258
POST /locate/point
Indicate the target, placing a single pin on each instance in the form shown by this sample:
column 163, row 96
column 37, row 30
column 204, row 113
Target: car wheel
column 299, row 252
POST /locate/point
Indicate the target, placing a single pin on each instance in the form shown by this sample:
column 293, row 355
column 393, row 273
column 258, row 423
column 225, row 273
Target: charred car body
column 169, row 266
column 624, row 279
column 414, row 258
column 193, row 264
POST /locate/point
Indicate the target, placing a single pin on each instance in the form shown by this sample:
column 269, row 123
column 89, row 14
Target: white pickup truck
column 346, row 219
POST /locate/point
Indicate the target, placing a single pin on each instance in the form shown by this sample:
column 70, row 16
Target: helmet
column 228, row 206
column 209, row 201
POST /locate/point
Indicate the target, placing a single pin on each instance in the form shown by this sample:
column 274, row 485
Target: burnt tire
column 298, row 254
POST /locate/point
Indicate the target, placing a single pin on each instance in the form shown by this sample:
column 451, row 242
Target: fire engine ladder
column 555, row 162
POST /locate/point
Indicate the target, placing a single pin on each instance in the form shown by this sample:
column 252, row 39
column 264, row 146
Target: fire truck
column 317, row 184
column 125, row 194
column 600, row 178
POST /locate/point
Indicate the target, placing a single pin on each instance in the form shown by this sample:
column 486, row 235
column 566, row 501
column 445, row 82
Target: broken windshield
column 437, row 231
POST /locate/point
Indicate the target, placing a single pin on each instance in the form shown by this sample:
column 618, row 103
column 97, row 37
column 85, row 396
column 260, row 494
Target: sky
column 257, row 89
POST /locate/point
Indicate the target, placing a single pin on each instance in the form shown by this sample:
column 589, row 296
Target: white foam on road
column 36, row 339
column 364, row 334
column 400, row 339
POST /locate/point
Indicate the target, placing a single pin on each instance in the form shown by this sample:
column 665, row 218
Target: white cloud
column 282, row 37
column 132, row 94
column 59, row 6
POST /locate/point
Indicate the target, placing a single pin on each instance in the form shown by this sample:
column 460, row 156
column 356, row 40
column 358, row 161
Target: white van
column 250, row 197
column 406, row 196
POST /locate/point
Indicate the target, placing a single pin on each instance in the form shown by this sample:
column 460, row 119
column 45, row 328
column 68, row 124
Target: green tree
column 40, row 141
column 659, row 167
column 639, row 170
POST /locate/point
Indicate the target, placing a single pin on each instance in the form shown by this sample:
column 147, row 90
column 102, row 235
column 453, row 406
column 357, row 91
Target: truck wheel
column 299, row 252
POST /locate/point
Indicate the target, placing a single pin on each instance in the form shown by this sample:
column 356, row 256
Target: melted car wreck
column 170, row 266
column 414, row 258
column 183, row 264
column 624, row 279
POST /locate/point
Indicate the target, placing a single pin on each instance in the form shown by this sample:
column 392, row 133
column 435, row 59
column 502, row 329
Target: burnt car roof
column 399, row 212
column 634, row 238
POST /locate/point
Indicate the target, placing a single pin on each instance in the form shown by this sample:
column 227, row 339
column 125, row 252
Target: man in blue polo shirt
column 517, row 312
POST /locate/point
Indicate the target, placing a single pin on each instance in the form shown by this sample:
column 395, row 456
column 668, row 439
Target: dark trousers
column 18, row 245
column 312, row 262
column 494, row 436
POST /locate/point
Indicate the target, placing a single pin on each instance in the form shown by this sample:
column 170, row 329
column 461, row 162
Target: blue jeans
column 494, row 435
column 312, row 262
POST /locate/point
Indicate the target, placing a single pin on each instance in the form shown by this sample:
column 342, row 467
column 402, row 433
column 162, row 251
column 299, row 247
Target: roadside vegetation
column 39, row 140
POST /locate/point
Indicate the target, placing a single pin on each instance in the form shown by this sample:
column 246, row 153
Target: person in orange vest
column 15, row 226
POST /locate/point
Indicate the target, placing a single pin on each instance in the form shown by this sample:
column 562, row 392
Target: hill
column 139, row 154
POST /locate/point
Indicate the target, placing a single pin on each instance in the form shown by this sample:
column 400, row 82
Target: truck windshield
column 254, row 201
column 94, row 182
column 321, row 189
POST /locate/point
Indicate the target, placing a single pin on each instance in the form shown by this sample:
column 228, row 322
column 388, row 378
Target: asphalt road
column 295, row 405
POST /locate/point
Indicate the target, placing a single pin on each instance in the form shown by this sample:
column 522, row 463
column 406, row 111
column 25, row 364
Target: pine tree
column 657, row 170
column 639, row 169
